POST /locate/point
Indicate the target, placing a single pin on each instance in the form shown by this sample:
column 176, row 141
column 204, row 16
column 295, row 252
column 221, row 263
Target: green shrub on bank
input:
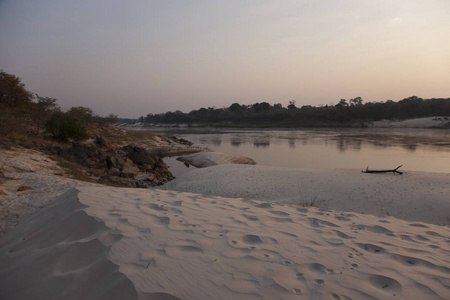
column 64, row 126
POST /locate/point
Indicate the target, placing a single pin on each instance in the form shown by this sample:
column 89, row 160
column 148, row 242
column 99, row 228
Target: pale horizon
column 159, row 56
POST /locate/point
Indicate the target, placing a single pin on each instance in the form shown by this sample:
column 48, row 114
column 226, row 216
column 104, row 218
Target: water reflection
column 352, row 148
column 344, row 144
column 236, row 142
column 261, row 143
column 291, row 143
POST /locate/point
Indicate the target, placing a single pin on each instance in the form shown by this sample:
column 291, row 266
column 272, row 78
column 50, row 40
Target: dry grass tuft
column 73, row 170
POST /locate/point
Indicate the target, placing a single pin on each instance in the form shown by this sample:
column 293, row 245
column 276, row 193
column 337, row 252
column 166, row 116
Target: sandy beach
column 225, row 232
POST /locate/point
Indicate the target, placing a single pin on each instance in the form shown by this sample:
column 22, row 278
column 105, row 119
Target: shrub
column 64, row 126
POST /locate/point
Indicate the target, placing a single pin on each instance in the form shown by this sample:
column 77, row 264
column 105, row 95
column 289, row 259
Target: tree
column 15, row 102
column 84, row 114
column 42, row 109
column 64, row 126
column 236, row 107
column 357, row 101
column 342, row 104
column 277, row 106
column 12, row 92
column 109, row 119
column 292, row 105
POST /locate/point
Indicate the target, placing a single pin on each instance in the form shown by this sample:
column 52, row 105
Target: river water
column 416, row 149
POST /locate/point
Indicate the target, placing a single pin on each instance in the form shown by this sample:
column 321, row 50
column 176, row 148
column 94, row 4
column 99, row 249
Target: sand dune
column 111, row 243
column 243, row 234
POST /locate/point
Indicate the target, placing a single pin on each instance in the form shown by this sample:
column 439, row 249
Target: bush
column 64, row 126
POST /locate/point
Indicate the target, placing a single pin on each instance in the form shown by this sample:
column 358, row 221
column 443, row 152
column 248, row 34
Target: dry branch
column 383, row 171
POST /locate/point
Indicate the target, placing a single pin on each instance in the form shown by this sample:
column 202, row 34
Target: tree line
column 344, row 113
column 23, row 111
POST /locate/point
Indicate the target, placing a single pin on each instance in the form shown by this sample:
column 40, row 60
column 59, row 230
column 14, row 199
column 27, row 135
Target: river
column 416, row 149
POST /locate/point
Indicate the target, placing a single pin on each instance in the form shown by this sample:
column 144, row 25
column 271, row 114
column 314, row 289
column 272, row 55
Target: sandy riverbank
column 227, row 232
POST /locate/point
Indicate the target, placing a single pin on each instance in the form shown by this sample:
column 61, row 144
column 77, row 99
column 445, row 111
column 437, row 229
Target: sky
column 132, row 58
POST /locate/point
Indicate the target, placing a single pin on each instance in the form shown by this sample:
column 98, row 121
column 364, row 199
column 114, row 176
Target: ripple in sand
column 264, row 205
column 378, row 229
column 251, row 218
column 279, row 213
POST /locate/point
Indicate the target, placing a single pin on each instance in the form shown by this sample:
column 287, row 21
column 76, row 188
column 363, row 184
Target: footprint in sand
column 319, row 281
column 319, row 268
column 370, row 248
column 161, row 220
column 157, row 207
column 386, row 284
column 251, row 239
column 251, row 218
column 343, row 235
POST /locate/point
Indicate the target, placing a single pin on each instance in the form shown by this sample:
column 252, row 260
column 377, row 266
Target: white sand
column 97, row 242
column 429, row 122
column 208, row 159
column 30, row 168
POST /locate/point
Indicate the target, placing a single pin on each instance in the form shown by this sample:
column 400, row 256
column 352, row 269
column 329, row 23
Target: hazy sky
column 142, row 56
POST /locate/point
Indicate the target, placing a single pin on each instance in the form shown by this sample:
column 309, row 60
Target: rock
column 100, row 142
column 129, row 170
column 126, row 182
column 114, row 172
column 141, row 184
column 139, row 156
column 141, row 176
column 129, row 166
column 24, row 188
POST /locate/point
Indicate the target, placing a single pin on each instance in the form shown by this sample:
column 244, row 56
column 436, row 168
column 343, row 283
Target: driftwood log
column 383, row 171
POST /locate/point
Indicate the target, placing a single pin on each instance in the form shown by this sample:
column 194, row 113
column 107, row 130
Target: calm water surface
column 415, row 149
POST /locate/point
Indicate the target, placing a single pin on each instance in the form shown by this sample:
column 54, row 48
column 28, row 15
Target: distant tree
column 277, row 106
column 84, row 114
column 41, row 111
column 259, row 107
column 235, row 107
column 64, row 126
column 356, row 101
column 112, row 118
column 342, row 104
column 292, row 105
column 108, row 120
